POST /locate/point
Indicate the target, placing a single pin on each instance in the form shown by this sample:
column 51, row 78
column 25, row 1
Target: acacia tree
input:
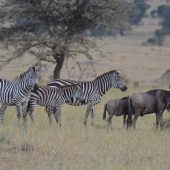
column 57, row 28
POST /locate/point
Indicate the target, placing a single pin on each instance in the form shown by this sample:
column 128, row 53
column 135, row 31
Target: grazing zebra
column 53, row 98
column 17, row 93
column 93, row 90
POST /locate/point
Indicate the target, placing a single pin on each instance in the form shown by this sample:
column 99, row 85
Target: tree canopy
column 57, row 28
column 163, row 12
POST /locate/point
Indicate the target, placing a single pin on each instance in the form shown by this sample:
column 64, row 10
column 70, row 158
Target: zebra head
column 31, row 76
column 117, row 81
column 78, row 92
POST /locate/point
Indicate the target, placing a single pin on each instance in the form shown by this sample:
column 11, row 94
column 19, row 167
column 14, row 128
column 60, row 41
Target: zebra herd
column 25, row 93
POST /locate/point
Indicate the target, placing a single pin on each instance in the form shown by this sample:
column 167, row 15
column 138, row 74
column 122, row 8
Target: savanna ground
column 72, row 146
column 47, row 147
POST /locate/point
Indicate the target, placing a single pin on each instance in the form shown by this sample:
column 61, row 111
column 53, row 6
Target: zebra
column 17, row 93
column 93, row 90
column 53, row 98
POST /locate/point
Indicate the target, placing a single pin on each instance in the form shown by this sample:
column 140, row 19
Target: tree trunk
column 60, row 60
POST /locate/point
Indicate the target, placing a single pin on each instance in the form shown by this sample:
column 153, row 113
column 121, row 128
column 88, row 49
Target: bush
column 139, row 11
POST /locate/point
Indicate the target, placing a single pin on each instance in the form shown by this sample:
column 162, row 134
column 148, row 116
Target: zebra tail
column 104, row 114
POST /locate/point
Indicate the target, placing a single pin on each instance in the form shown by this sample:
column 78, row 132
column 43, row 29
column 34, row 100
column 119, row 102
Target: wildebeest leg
column 160, row 120
column 2, row 111
column 134, row 120
column 157, row 120
column 109, row 121
column 124, row 120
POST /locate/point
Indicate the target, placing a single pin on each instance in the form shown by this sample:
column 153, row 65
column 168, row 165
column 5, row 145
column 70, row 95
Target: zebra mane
column 24, row 74
column 107, row 73
column 34, row 69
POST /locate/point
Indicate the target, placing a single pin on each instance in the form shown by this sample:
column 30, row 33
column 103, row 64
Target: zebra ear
column 119, row 71
column 36, row 68
column 21, row 76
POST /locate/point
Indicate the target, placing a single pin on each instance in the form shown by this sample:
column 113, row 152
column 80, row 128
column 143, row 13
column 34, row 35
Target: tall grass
column 49, row 147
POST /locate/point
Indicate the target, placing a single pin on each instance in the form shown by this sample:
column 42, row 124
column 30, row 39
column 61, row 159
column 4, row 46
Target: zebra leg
column 57, row 115
column 30, row 112
column 49, row 110
column 92, row 117
column 19, row 110
column 24, row 107
column 24, row 111
column 88, row 111
column 2, row 111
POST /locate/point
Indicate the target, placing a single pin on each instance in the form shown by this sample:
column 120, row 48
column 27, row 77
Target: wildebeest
column 153, row 101
column 117, row 107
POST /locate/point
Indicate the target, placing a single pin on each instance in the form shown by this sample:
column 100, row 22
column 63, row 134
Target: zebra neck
column 103, row 85
column 67, row 93
column 23, row 86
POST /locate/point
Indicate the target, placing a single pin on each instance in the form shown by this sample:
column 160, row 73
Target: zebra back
column 94, row 89
column 61, row 83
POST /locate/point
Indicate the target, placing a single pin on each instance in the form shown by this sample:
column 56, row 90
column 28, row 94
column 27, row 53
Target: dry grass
column 73, row 146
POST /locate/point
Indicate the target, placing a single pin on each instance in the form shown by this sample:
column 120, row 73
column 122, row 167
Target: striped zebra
column 93, row 90
column 53, row 98
column 17, row 93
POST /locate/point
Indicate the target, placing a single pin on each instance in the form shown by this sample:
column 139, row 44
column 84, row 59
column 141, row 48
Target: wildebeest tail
column 104, row 114
column 130, row 112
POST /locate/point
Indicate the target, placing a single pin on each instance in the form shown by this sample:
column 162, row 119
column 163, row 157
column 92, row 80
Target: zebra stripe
column 17, row 93
column 52, row 97
column 62, row 83
column 94, row 90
